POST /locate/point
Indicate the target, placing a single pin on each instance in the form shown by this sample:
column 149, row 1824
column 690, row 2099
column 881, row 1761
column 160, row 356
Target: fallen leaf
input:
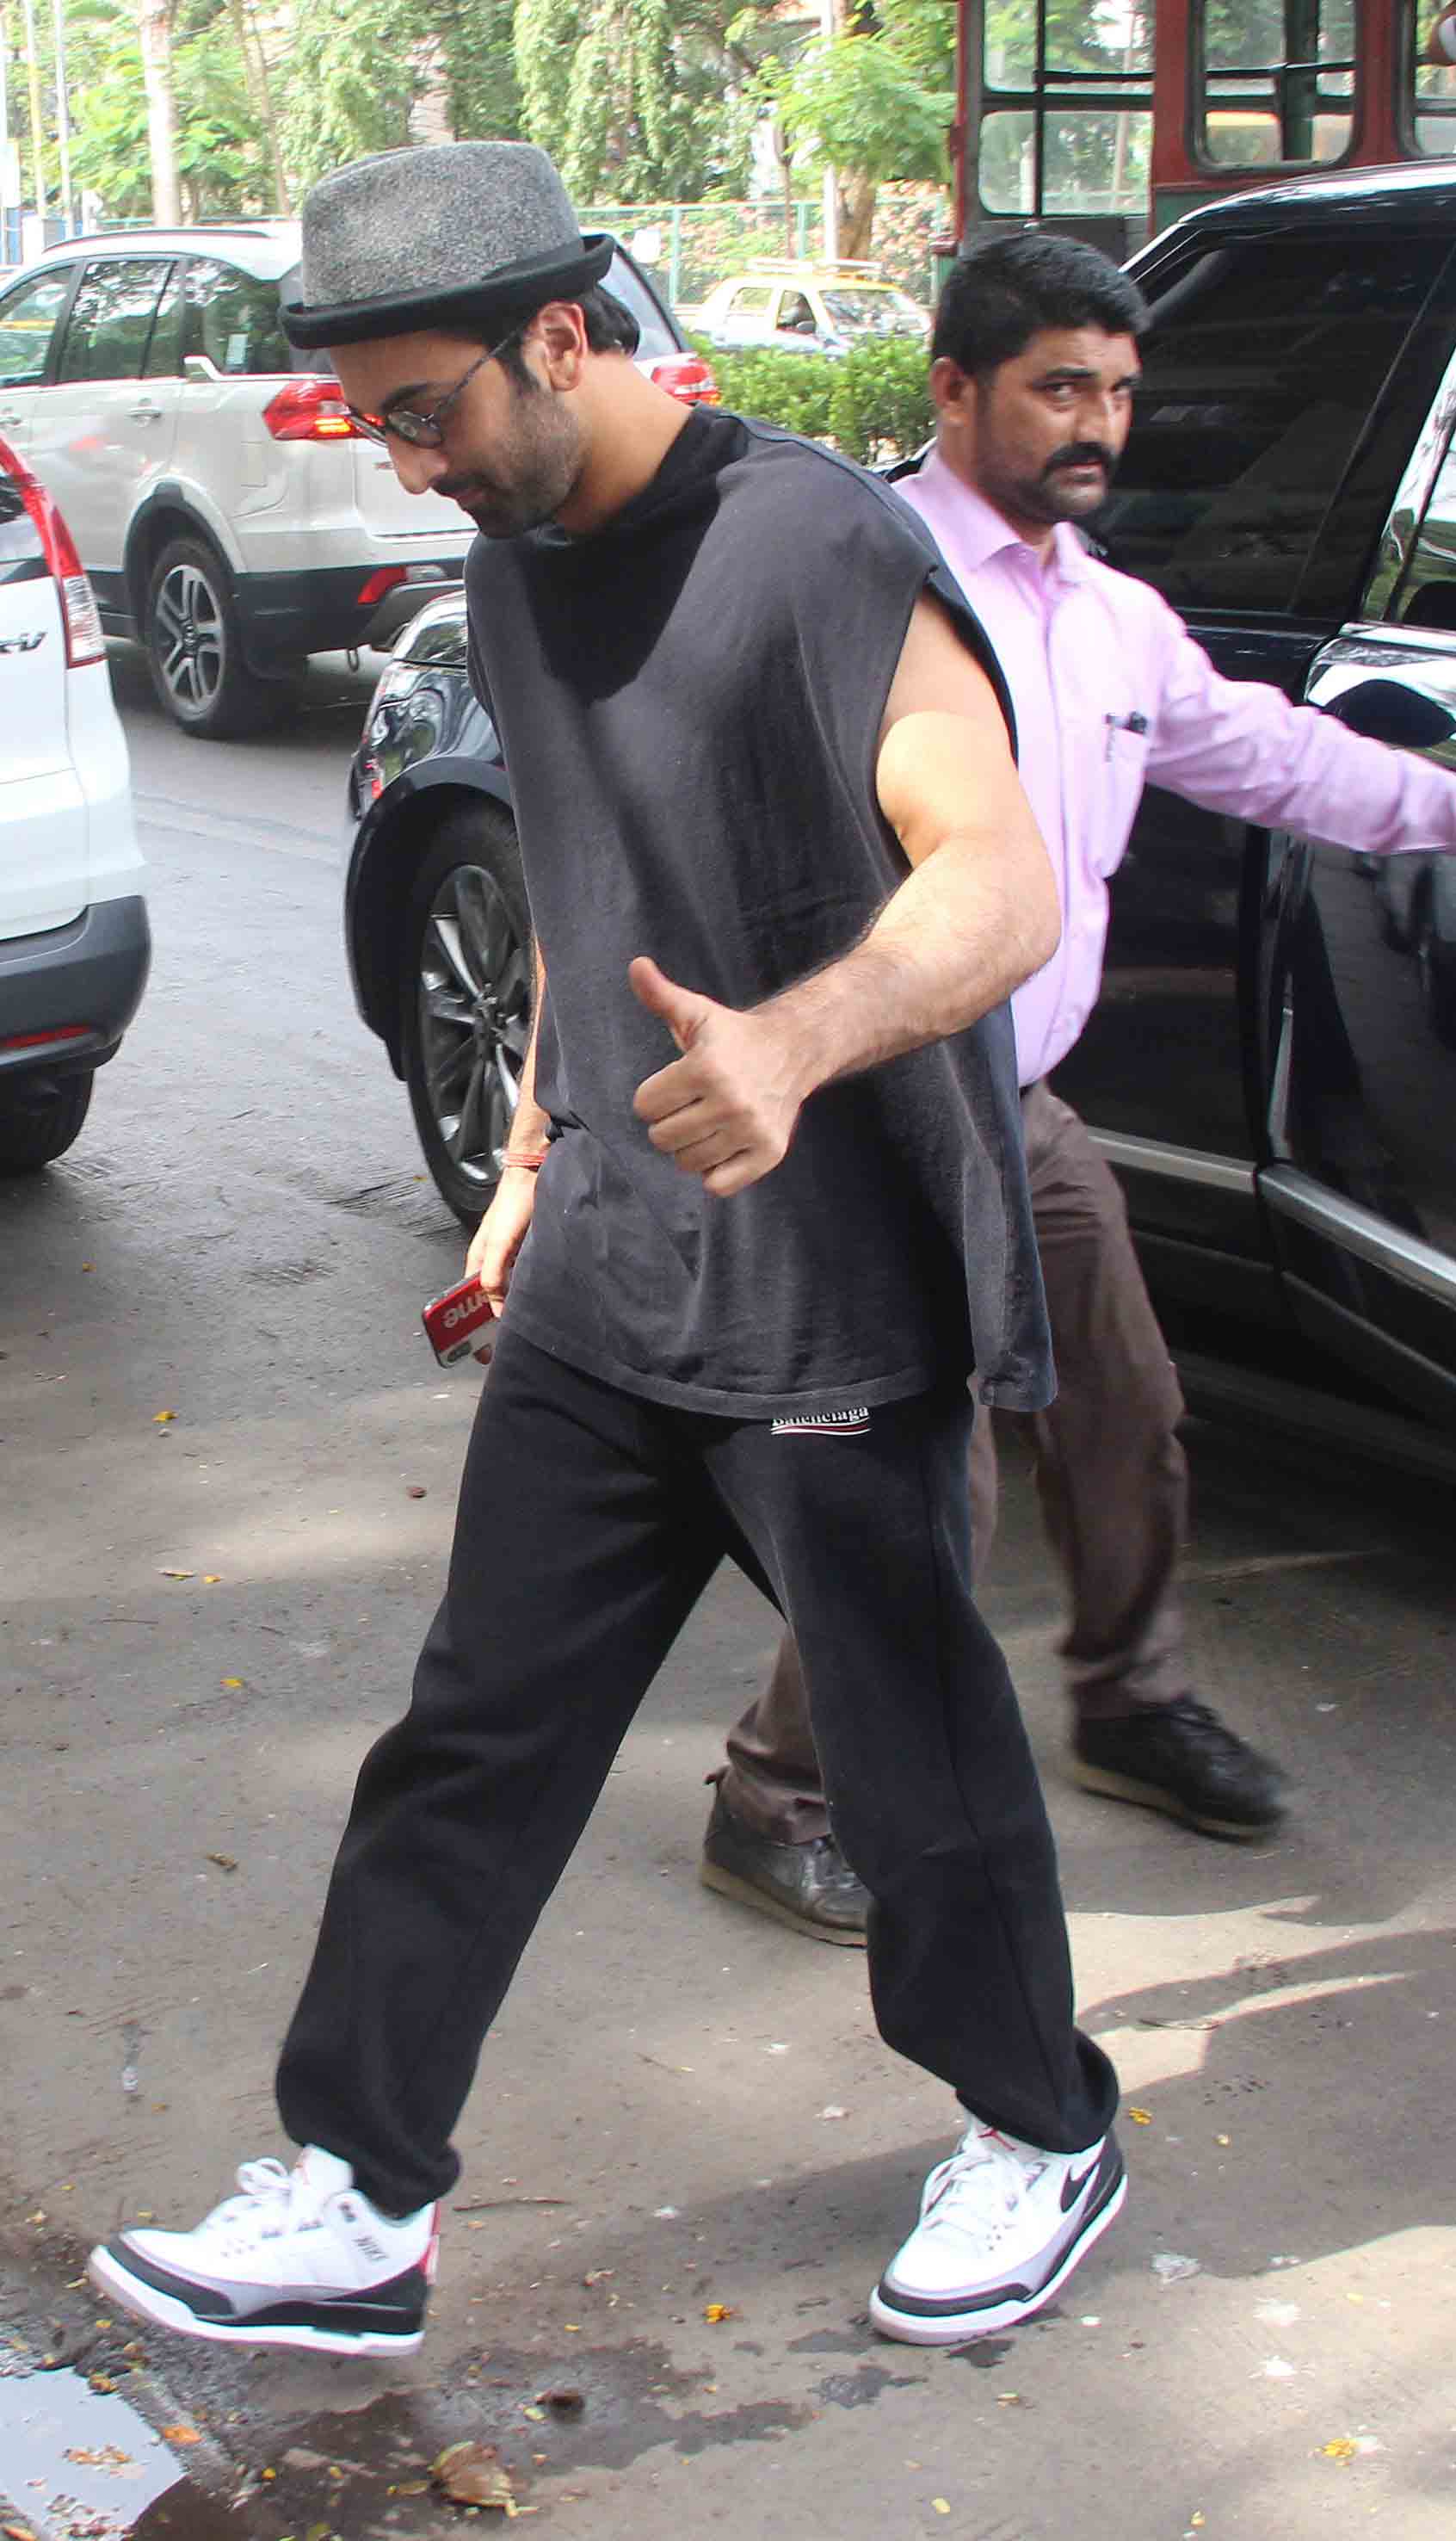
column 224, row 1860
column 1140, row 2117
column 567, row 2402
column 232, row 1684
column 100, row 2382
column 414, row 1490
column 1341, row 2449
column 180, row 2436
column 159, row 1416
column 832, row 2112
column 212, row 1578
column 17, row 2532
column 471, row 2475
column 598, row 2276
column 530, row 2409
column 176, row 1574
column 941, row 2504
column 715, row 2312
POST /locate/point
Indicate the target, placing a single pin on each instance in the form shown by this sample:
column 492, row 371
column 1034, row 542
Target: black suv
column 1272, row 1065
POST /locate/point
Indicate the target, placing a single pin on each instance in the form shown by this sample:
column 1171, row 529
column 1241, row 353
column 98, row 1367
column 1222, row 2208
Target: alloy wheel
column 190, row 638
column 474, row 1020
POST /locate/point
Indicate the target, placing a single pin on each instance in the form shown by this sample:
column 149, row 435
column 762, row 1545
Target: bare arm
column 502, row 1230
column 975, row 917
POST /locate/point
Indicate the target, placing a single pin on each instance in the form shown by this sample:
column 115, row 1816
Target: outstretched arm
column 973, row 917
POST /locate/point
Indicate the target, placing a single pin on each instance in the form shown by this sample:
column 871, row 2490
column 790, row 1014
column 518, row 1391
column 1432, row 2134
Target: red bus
column 1110, row 121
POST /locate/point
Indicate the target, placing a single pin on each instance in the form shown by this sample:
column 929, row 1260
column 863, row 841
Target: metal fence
column 688, row 247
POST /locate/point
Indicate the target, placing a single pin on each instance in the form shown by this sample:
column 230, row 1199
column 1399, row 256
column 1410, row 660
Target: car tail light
column 43, row 1040
column 387, row 578
column 686, row 375
column 310, row 410
column 84, row 641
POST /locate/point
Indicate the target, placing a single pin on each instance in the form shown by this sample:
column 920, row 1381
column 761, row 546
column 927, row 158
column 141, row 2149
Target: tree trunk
column 259, row 88
column 857, row 198
column 154, row 29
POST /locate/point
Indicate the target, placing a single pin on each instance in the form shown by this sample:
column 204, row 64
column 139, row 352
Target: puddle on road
column 80, row 2465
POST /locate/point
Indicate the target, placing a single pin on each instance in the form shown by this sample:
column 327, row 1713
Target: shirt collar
column 982, row 532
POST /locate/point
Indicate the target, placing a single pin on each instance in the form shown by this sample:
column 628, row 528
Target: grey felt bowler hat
column 465, row 234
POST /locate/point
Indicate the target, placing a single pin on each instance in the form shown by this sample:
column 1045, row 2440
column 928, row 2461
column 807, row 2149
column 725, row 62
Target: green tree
column 866, row 102
column 354, row 72
column 220, row 145
column 638, row 100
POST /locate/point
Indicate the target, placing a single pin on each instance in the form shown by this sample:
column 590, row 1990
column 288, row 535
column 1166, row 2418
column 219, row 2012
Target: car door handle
column 146, row 414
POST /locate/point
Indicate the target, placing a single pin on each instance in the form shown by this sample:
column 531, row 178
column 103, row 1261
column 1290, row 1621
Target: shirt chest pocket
column 1115, row 744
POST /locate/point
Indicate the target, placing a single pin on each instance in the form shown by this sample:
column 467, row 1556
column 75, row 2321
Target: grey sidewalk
column 688, row 2154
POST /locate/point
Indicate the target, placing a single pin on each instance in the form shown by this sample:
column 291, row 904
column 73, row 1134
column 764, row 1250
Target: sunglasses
column 427, row 431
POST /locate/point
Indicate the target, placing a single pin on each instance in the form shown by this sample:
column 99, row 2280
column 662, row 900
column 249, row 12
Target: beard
column 533, row 474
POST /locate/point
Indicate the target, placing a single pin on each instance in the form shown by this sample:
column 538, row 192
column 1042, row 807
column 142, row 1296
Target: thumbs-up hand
column 726, row 1108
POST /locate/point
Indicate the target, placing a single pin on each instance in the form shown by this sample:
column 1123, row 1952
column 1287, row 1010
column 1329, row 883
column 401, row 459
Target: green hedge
column 874, row 404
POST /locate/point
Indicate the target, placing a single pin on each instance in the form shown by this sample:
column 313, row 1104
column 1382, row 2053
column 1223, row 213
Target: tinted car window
column 1263, row 364
column 111, row 323
column 655, row 335
column 21, row 556
column 233, row 318
column 27, row 319
column 165, row 351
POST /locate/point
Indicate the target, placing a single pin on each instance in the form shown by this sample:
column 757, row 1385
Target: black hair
column 1006, row 288
column 611, row 327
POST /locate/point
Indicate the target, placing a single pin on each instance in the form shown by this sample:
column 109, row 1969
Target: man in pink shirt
column 1034, row 363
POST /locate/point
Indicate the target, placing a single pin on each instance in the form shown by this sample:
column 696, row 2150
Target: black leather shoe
column 1179, row 1757
column 808, row 1885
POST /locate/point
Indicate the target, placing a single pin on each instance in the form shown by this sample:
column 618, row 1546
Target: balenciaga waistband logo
column 824, row 1424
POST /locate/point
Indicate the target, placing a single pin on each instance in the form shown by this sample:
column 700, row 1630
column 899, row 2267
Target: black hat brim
column 510, row 292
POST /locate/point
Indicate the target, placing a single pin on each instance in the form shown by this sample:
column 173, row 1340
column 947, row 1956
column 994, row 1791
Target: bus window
column 1434, row 64
column 1065, row 122
column 1274, row 83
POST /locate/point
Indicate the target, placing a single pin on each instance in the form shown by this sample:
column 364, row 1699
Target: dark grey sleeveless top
column 690, row 701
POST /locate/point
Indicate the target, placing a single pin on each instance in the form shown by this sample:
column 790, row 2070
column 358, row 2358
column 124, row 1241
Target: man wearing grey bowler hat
column 762, row 1211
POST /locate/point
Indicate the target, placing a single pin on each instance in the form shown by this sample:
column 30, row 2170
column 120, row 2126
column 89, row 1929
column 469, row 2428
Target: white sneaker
column 1002, row 2224
column 299, row 2259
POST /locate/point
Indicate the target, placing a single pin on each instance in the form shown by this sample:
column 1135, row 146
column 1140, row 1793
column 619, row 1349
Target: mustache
column 1080, row 454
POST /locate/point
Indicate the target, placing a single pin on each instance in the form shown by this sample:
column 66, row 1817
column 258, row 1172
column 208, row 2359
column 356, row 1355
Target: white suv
column 74, row 941
column 224, row 506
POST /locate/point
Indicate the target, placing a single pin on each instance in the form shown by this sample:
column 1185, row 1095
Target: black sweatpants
column 589, row 1523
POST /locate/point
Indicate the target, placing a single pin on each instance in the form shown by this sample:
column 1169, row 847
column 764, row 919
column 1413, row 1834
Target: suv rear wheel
column 465, row 993
column 40, row 1119
column 194, row 647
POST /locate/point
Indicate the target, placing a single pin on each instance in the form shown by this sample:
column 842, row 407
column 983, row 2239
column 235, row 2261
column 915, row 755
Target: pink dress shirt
column 1111, row 693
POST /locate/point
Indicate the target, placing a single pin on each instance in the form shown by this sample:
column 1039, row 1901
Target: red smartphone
column 458, row 1323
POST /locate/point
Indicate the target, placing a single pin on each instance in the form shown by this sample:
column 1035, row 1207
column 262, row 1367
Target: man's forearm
column 958, row 936
column 530, row 1123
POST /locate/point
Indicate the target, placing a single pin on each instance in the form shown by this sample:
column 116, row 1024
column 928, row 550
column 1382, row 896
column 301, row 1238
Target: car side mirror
column 200, row 366
column 1387, row 710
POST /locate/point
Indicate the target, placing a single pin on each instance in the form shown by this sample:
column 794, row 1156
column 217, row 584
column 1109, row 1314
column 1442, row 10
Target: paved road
column 206, row 1617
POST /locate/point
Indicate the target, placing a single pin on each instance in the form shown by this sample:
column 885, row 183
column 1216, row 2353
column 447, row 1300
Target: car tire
column 194, row 647
column 464, row 1001
column 40, row 1119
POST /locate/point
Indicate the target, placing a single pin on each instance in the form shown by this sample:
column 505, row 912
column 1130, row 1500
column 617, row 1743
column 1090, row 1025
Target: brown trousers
column 1111, row 1476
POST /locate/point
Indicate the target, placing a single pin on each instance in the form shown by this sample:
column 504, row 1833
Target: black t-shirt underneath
column 690, row 702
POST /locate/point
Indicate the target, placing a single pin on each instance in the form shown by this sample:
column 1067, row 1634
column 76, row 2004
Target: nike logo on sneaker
column 1074, row 2184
